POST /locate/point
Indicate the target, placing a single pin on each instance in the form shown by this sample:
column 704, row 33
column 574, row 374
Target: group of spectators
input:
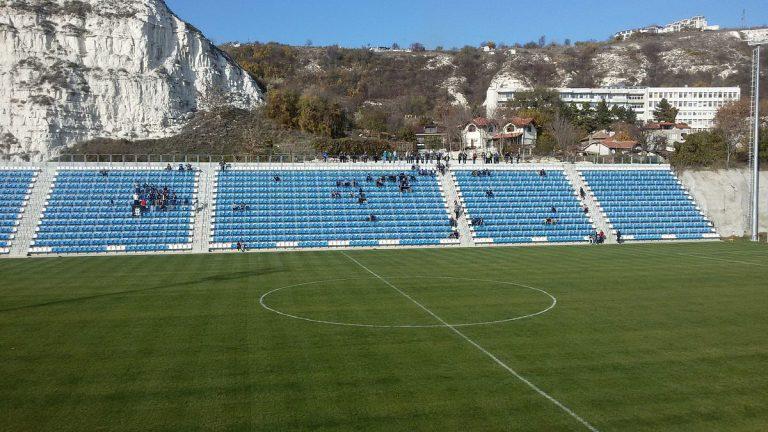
column 481, row 173
column 597, row 238
column 149, row 197
column 240, row 207
column 181, row 168
column 488, row 157
column 428, row 156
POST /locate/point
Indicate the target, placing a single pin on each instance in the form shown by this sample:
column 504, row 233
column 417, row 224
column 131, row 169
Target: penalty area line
column 490, row 355
column 693, row 255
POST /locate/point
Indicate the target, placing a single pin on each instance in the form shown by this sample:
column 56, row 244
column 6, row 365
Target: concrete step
column 204, row 204
column 452, row 197
column 33, row 211
column 595, row 211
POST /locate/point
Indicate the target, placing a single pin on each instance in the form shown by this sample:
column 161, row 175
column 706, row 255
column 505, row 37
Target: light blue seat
column 647, row 204
column 15, row 187
column 520, row 204
column 88, row 212
column 300, row 211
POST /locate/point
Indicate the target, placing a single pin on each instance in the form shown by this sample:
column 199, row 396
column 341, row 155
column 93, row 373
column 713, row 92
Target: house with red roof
column 515, row 136
column 605, row 143
column 666, row 135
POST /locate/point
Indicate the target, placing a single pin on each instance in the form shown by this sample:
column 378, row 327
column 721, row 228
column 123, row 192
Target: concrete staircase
column 448, row 182
column 33, row 212
column 203, row 208
column 595, row 211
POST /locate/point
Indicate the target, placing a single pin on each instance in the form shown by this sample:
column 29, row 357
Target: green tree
column 585, row 118
column 545, row 145
column 283, row 107
column 703, row 149
column 603, row 117
column 665, row 112
column 319, row 116
column 372, row 119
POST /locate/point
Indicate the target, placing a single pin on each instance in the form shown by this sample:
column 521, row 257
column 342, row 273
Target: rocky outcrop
column 74, row 70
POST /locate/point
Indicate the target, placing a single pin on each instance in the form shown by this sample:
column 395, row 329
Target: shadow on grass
column 219, row 278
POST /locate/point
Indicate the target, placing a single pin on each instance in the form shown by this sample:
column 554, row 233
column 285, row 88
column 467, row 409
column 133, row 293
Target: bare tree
column 565, row 133
column 453, row 119
column 732, row 120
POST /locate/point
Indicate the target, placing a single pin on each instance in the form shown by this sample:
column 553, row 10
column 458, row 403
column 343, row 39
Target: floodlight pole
column 756, row 152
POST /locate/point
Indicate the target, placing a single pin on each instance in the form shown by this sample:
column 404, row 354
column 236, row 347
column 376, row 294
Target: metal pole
column 756, row 152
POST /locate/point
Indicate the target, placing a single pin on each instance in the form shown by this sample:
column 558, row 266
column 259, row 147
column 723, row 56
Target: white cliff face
column 73, row 70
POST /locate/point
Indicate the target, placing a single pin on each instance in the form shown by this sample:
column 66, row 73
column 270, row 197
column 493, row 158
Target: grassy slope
column 643, row 338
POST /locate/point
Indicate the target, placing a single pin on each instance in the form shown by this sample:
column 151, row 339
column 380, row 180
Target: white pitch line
column 263, row 303
column 514, row 373
column 721, row 259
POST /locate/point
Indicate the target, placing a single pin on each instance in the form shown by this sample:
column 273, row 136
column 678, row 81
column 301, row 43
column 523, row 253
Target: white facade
column 698, row 105
column 694, row 23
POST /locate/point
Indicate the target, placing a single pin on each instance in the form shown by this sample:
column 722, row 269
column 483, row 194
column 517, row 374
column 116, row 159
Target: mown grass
column 643, row 337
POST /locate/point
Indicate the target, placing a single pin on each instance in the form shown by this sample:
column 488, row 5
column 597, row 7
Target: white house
column 694, row 23
column 478, row 134
column 516, row 135
column 667, row 133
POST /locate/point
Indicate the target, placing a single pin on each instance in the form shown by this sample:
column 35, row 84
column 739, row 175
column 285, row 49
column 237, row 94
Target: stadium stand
column 15, row 189
column 515, row 205
column 647, row 204
column 316, row 208
column 118, row 210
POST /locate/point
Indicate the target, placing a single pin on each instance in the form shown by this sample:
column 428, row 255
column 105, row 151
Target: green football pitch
column 670, row 337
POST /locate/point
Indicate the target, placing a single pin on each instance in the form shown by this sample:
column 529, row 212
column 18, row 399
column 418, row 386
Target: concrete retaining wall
column 724, row 196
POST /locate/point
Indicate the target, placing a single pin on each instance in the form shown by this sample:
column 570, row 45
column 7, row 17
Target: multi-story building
column 695, row 23
column 697, row 105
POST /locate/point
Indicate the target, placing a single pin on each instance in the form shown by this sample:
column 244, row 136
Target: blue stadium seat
column 88, row 212
column 15, row 188
column 298, row 211
column 647, row 204
column 521, row 203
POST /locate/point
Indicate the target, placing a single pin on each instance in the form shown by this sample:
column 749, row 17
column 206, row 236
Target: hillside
column 392, row 91
column 400, row 80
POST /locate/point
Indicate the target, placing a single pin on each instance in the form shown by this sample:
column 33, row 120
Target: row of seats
column 91, row 211
column 516, row 206
column 317, row 208
column 647, row 205
column 15, row 189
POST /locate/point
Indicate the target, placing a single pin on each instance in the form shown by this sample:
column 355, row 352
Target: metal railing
column 287, row 158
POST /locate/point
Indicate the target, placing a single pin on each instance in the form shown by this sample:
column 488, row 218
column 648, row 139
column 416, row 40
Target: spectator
column 277, row 179
column 489, row 193
column 582, row 193
column 542, row 173
column 553, row 209
column 169, row 168
column 474, row 158
column 372, row 218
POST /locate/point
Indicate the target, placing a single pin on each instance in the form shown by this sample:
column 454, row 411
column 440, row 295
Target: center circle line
column 263, row 304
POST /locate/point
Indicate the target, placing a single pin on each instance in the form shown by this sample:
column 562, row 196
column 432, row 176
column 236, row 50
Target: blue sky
column 450, row 23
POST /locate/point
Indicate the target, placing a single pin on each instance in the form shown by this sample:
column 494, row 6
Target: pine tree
column 603, row 117
column 665, row 112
